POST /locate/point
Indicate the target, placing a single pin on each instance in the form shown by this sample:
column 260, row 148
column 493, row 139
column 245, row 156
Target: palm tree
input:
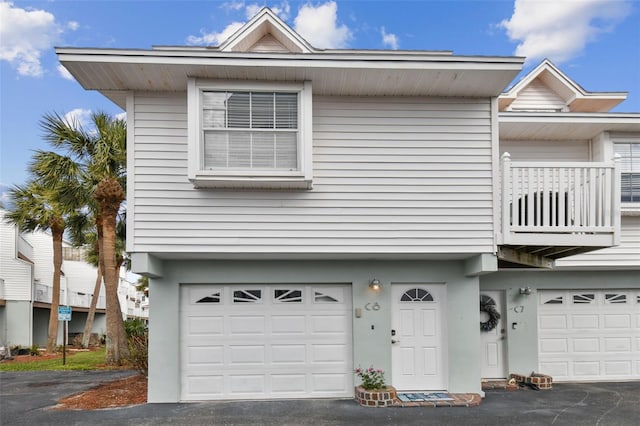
column 101, row 155
column 34, row 208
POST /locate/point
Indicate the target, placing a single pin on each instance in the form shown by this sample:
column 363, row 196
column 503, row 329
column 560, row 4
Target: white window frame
column 254, row 179
column 618, row 139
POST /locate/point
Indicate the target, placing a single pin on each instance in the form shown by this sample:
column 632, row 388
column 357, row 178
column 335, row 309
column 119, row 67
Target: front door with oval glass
column 418, row 343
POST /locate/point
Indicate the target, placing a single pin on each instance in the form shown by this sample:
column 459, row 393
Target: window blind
column 250, row 130
column 630, row 171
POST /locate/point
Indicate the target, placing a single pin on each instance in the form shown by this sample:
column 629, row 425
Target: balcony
column 555, row 210
column 25, row 250
column 82, row 301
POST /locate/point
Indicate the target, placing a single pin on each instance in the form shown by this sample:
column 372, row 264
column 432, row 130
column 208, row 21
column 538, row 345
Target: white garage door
column 263, row 342
column 589, row 335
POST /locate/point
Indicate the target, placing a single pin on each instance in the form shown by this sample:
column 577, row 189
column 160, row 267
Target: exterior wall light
column 526, row 290
column 375, row 285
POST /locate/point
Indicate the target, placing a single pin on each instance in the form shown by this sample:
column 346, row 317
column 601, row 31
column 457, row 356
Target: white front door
column 492, row 340
column 418, row 344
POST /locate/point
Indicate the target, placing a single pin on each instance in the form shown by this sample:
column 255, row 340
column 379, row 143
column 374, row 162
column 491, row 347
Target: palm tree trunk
column 88, row 326
column 116, row 343
column 109, row 194
column 57, row 229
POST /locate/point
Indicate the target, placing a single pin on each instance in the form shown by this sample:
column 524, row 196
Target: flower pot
column 376, row 397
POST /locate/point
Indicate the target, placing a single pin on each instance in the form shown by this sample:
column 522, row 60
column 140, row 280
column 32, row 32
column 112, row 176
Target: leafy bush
column 371, row 378
column 138, row 341
column 34, row 351
column 135, row 327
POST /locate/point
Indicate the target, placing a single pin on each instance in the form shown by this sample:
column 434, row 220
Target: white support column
column 615, row 211
column 507, row 201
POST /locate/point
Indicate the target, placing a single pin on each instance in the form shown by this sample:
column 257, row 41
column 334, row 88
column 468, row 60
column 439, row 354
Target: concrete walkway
column 25, row 398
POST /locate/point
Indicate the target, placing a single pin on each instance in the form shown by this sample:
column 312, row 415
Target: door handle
column 394, row 341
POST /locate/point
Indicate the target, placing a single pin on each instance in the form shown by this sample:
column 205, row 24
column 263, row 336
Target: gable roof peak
column 575, row 98
column 266, row 23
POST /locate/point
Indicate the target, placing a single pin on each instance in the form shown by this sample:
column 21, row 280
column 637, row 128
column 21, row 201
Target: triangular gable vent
column 265, row 32
column 538, row 97
column 268, row 43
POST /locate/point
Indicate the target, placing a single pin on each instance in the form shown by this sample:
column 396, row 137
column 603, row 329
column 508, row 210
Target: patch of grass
column 93, row 360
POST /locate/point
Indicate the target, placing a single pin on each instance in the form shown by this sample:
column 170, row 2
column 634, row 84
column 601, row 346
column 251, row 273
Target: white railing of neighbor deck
column 580, row 201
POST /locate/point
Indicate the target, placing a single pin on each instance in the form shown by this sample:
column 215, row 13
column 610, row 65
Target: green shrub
column 135, row 327
column 34, row 351
column 138, row 341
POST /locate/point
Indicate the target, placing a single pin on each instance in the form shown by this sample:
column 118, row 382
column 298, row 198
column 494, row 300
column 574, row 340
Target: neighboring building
column 26, row 281
column 272, row 186
column 135, row 302
column 582, row 319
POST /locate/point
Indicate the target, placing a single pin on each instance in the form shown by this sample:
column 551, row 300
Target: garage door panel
column 246, row 324
column 288, row 324
column 284, row 341
column 289, row 383
column 205, row 325
column 617, row 321
column 585, row 321
column 329, row 383
column 553, row 322
column 618, row 368
column 589, row 345
column 205, row 355
column 554, row 345
column 288, row 354
column 246, row 384
column 328, row 324
column 245, row 354
column 602, row 337
column 206, row 385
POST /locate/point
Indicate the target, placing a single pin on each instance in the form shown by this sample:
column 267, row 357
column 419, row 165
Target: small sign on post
column 64, row 314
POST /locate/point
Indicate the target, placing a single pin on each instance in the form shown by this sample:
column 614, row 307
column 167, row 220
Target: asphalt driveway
column 25, row 398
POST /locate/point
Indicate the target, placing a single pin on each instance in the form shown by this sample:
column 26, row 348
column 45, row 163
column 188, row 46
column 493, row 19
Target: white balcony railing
column 81, row 300
column 560, row 204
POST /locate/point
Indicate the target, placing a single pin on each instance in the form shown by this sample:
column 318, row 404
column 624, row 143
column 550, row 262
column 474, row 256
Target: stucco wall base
column 371, row 331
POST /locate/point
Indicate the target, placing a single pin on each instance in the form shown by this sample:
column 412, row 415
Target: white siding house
column 26, row 276
column 302, row 212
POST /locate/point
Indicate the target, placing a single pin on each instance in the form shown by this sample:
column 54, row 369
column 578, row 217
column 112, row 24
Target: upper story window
column 630, row 170
column 250, row 135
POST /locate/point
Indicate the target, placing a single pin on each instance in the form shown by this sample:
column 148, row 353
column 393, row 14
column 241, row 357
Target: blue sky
column 595, row 42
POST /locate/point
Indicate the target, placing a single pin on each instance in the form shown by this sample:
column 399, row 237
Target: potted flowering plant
column 373, row 391
column 371, row 378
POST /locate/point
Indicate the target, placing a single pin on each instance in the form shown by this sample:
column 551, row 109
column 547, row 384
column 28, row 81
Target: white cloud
column 560, row 30
column 282, row 10
column 64, row 73
column 78, row 117
column 215, row 38
column 121, row 116
column 25, row 34
column 232, row 5
column 318, row 25
column 73, row 25
column 389, row 39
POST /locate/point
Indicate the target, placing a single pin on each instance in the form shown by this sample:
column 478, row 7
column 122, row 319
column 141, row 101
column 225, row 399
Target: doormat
column 424, row 396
